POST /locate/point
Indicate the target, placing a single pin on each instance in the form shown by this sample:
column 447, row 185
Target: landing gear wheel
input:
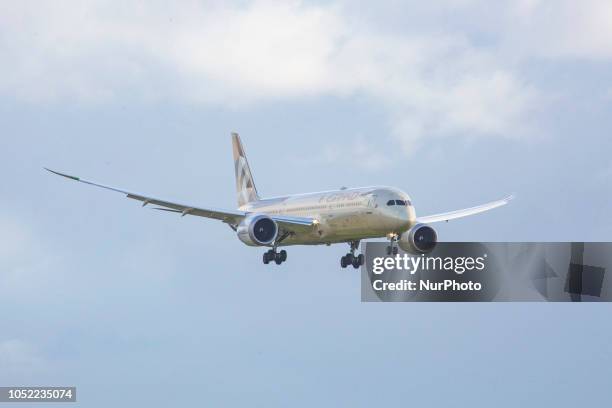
column 351, row 258
column 361, row 259
column 388, row 249
column 278, row 259
column 395, row 250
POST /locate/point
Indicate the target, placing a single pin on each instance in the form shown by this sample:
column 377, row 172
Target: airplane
column 347, row 215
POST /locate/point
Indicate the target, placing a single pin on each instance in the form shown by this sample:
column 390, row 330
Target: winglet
column 62, row 174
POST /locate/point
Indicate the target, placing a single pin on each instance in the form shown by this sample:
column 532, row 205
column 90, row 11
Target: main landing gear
column 351, row 258
column 272, row 255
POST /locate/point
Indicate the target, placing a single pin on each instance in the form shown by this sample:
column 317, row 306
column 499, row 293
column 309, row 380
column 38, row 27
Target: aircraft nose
column 411, row 214
column 407, row 213
column 403, row 216
column 407, row 216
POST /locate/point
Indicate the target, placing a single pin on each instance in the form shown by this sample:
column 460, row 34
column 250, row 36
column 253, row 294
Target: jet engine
column 257, row 230
column 420, row 239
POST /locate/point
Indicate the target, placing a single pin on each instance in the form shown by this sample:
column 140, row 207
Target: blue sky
column 457, row 103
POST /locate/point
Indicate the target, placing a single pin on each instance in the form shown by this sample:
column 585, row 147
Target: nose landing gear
column 392, row 248
column 351, row 258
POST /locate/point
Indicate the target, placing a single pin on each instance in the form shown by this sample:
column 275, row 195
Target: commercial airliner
column 348, row 215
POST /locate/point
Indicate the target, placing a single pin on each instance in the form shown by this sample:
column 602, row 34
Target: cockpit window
column 391, row 202
column 400, row 202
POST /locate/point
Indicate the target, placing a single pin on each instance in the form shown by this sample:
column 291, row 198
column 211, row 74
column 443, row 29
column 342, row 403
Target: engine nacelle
column 420, row 239
column 257, row 230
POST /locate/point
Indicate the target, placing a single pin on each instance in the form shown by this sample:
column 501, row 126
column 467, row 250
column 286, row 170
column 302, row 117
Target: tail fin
column 245, row 186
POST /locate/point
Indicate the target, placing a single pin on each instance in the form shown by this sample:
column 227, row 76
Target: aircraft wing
column 451, row 215
column 231, row 217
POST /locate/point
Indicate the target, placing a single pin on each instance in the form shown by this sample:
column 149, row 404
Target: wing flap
column 295, row 224
column 229, row 216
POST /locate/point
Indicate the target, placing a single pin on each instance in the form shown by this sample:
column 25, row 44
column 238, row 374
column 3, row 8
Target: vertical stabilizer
column 245, row 186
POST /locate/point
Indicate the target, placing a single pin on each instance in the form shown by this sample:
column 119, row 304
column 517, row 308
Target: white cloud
column 561, row 29
column 357, row 153
column 98, row 51
column 434, row 82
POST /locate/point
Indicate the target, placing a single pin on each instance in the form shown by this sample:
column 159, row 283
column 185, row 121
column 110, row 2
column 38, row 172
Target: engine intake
column 420, row 239
column 257, row 230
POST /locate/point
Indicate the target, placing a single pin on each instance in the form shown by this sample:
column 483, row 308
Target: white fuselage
column 343, row 215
